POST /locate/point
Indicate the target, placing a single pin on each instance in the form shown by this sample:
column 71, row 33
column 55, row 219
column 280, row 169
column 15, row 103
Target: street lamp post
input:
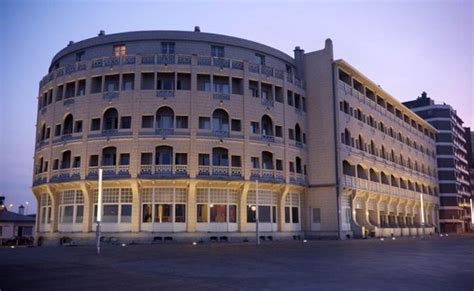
column 99, row 211
column 422, row 215
column 257, row 233
column 27, row 203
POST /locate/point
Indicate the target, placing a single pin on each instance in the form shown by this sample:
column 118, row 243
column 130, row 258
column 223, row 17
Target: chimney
column 101, row 33
column 424, row 94
column 197, row 29
column 21, row 210
column 299, row 61
column 70, row 43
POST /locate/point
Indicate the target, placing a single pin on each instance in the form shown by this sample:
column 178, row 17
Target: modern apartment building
column 469, row 136
column 452, row 156
column 184, row 124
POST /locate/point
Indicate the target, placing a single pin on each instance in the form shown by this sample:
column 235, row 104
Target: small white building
column 14, row 225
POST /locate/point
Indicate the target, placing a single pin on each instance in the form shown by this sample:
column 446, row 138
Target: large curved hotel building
column 183, row 124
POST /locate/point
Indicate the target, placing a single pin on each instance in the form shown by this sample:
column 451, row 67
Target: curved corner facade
column 184, row 124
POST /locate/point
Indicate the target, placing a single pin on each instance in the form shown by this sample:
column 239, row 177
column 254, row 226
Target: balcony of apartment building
column 113, row 167
column 221, row 167
column 164, row 166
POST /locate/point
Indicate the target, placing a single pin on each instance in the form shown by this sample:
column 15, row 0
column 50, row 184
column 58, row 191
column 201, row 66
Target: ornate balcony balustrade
column 220, row 172
column 267, row 102
column 164, row 131
column 110, row 95
column 62, row 175
column 165, row 93
column 221, row 62
column 267, row 175
column 298, row 178
column 163, row 171
column 40, row 178
column 109, row 172
column 220, row 133
column 221, row 96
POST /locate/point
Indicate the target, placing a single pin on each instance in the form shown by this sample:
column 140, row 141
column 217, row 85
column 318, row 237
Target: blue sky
column 405, row 46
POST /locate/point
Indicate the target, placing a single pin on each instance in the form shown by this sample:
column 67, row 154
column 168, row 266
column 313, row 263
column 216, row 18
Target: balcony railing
column 267, row 102
column 109, row 172
column 268, row 138
column 221, row 96
column 62, row 175
column 367, row 185
column 164, row 131
column 220, row 133
column 40, row 178
column 267, row 175
column 163, row 171
column 298, row 178
column 220, row 172
column 166, row 59
column 110, row 95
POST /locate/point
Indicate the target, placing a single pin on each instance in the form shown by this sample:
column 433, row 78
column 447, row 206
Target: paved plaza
column 436, row 263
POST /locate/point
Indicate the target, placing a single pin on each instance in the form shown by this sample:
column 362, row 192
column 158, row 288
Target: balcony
column 267, row 102
column 41, row 178
column 165, row 59
column 298, row 178
column 109, row 172
column 268, row 138
column 220, row 133
column 163, row 171
column 267, row 175
column 371, row 186
column 164, row 131
column 63, row 175
column 68, row 137
column 224, row 172
column 221, row 62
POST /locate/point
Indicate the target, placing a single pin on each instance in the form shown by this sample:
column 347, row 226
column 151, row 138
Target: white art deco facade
column 184, row 123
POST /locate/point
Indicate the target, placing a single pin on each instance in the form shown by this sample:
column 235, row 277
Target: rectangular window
column 278, row 131
column 57, row 130
column 251, row 215
column 147, row 121
column 290, row 97
column 96, row 85
column 291, row 133
column 278, row 94
column 181, row 159
column 78, row 126
column 287, row 214
column 81, row 87
column 204, row 160
column 255, row 163
column 120, row 50
column 128, row 82
column 70, row 90
column 218, row 213
column 59, row 92
column 95, row 124
column 279, row 165
column 124, row 159
column 79, row 213
column 202, row 211
column 236, row 161
column 260, row 59
column 264, row 214
column 167, row 47
column 204, row 83
column 94, row 161
column 235, row 125
column 217, row 51
column 255, row 127
column 165, row 81
column 180, row 213
column 147, row 213
column 67, row 215
column 181, row 122
column 237, row 86
column 184, row 81
column 204, row 122
column 126, row 122
column 110, row 213
column 254, row 90
column 148, row 81
column 292, row 167
column 146, row 159
column 80, row 56
column 295, row 215
column 77, row 162
column 56, row 164
column 126, row 213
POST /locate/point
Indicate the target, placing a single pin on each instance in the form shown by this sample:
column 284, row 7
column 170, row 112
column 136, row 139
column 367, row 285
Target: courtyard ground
column 437, row 263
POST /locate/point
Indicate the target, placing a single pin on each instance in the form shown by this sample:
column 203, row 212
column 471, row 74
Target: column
column 191, row 207
column 54, row 208
column 281, row 208
column 243, row 207
column 88, row 215
column 136, row 201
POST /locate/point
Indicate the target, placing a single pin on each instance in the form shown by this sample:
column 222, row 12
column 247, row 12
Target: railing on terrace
column 165, row 93
column 40, row 178
column 220, row 171
column 298, row 178
column 68, row 174
column 267, row 102
column 114, row 171
column 267, row 175
column 162, row 171
column 167, row 59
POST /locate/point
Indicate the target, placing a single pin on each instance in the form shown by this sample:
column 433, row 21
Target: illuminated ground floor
column 147, row 210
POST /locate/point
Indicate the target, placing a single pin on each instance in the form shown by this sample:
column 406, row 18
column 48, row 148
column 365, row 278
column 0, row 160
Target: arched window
column 66, row 160
column 361, row 172
column 220, row 157
column 267, row 160
column 163, row 155
column 361, row 143
column 39, row 166
column 374, row 176
column 68, row 124
column 109, row 156
column 372, row 147
column 392, row 156
column 385, row 179
column 220, row 121
column 267, row 125
column 394, row 181
column 348, row 169
column 297, row 133
column 383, row 153
column 111, row 119
column 165, row 118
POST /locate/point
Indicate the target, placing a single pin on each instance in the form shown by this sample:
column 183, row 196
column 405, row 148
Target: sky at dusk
column 405, row 46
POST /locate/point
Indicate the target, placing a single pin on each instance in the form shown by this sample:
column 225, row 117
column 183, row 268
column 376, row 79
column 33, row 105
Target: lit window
column 120, row 50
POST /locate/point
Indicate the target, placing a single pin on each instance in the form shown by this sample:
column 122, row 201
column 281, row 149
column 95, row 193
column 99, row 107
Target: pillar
column 191, row 207
column 136, row 201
